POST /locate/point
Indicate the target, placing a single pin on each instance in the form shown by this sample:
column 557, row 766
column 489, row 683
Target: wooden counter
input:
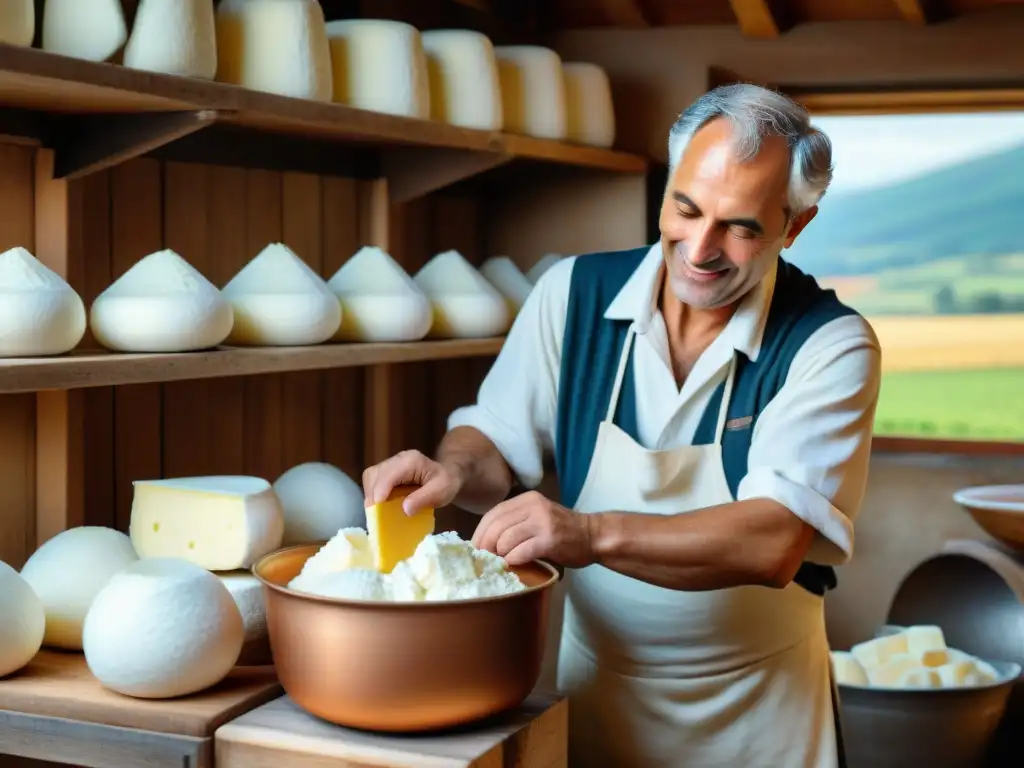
column 281, row 734
column 54, row 709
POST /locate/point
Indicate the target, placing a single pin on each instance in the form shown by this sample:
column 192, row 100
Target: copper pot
column 404, row 667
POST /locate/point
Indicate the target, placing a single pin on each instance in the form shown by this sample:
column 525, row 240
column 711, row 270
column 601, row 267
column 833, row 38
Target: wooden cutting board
column 281, row 734
column 58, row 684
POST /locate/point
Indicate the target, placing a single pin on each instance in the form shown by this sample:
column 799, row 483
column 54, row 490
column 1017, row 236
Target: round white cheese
column 162, row 628
column 589, row 111
column 40, row 314
column 161, row 304
column 247, row 592
column 379, row 300
column 532, row 91
column 546, row 262
column 276, row 46
column 177, row 37
column 17, row 23
column 68, row 571
column 318, row 500
column 84, row 29
column 504, row 275
column 465, row 304
column 464, row 85
column 23, row 621
column 379, row 65
column 279, row 301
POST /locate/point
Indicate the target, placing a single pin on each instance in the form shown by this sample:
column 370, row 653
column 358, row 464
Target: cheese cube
column 919, row 678
column 379, row 65
column 93, row 30
column 222, row 523
column 465, row 88
column 17, row 22
column 394, row 535
column 177, row 37
column 588, row 97
column 847, row 669
column 957, row 673
column 924, row 637
column 872, row 653
column 275, row 46
column 532, row 91
column 888, row 673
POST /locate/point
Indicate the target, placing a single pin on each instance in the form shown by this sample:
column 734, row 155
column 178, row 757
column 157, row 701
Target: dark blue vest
column 593, row 344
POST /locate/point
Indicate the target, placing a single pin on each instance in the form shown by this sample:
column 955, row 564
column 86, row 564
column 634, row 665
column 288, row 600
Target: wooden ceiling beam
column 919, row 12
column 760, row 18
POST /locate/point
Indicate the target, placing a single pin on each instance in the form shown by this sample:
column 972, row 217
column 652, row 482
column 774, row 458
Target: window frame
column 922, row 99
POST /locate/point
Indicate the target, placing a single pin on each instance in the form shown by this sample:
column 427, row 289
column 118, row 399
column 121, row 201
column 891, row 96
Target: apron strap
column 723, row 411
column 620, row 374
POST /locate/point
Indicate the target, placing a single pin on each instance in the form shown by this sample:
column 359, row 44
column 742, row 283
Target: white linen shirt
column 810, row 446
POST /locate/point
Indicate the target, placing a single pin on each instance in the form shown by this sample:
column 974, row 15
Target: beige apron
column 665, row 678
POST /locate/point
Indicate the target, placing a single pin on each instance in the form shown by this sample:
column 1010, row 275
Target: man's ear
column 800, row 221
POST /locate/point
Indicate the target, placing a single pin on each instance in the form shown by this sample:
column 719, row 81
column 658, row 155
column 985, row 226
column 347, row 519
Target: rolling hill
column 971, row 209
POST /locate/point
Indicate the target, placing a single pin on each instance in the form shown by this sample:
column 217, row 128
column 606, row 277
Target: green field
column 961, row 405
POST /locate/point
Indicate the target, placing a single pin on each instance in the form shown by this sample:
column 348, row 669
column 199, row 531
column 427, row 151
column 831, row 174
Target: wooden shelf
column 94, row 368
column 109, row 113
column 55, row 710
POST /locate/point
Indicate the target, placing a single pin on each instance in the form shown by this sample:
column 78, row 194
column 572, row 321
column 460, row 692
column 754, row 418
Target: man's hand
column 440, row 483
column 530, row 526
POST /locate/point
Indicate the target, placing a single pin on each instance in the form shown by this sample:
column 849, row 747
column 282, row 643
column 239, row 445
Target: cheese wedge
column 220, row 523
column 395, row 535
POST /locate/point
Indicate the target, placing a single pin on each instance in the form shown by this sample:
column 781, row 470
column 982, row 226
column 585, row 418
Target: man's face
column 723, row 221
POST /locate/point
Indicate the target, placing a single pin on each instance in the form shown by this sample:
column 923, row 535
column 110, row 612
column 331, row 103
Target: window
column 923, row 232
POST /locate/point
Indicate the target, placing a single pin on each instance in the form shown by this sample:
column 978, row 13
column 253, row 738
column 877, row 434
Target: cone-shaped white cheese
column 68, row 571
column 504, row 275
column 279, row 301
column 546, row 262
column 588, row 99
column 85, row 29
column 161, row 304
column 532, row 91
column 177, row 37
column 162, row 628
column 379, row 65
column 465, row 305
column 247, row 592
column 40, row 314
column 276, row 46
column 379, row 300
column 318, row 500
column 221, row 523
column 465, row 89
column 23, row 622
column 17, row 27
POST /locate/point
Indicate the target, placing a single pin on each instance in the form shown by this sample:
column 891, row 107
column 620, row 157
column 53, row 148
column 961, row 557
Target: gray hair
column 757, row 113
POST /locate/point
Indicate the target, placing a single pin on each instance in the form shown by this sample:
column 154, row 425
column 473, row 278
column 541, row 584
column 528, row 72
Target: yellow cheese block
column 395, row 535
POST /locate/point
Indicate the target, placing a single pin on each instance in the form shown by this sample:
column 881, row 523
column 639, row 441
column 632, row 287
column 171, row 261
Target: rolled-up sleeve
column 812, row 444
column 515, row 407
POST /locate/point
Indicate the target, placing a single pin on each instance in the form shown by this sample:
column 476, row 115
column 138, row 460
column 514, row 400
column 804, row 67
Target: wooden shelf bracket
column 414, row 173
column 84, row 144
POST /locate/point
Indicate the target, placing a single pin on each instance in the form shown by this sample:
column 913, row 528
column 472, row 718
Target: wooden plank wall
column 218, row 218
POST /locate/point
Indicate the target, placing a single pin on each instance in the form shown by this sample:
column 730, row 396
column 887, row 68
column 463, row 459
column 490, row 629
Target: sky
column 873, row 150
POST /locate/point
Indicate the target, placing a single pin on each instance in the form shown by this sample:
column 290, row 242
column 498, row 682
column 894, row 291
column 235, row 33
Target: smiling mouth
column 700, row 275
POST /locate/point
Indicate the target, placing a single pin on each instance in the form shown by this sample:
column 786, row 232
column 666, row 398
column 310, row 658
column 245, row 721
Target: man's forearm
column 486, row 477
column 746, row 542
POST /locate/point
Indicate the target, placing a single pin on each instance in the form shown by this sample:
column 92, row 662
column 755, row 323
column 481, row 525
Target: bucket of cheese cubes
column 404, row 632
column 942, row 681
